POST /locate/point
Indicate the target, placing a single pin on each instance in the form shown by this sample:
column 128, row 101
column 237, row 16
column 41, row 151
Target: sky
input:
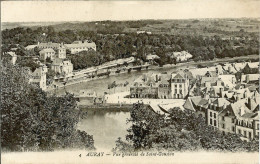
column 53, row 11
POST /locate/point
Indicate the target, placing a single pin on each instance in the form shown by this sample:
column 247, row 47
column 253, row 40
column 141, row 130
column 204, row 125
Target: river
column 101, row 85
column 105, row 128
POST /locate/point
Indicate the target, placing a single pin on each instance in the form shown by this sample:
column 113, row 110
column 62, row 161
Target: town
column 215, row 78
column 226, row 95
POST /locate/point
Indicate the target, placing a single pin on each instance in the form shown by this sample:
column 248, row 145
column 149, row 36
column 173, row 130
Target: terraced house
column 163, row 86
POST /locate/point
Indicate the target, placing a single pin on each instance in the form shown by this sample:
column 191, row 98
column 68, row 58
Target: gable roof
column 220, row 102
column 178, row 76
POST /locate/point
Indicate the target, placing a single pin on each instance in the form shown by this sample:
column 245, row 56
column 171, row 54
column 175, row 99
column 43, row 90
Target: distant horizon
column 92, row 11
column 133, row 20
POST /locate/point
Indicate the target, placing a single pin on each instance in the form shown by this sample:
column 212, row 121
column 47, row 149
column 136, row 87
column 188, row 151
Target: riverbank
column 152, row 68
column 101, row 108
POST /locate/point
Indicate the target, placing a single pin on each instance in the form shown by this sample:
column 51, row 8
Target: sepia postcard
column 130, row 81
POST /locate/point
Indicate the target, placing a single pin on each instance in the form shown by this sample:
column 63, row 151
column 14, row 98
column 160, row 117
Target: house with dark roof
column 215, row 106
column 238, row 118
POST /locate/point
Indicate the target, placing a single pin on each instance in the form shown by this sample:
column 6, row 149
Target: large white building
column 179, row 86
column 47, row 53
column 78, row 46
column 181, row 56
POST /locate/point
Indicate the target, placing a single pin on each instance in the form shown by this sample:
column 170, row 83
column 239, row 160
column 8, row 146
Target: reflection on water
column 105, row 128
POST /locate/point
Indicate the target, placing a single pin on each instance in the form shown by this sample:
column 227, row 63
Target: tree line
column 111, row 46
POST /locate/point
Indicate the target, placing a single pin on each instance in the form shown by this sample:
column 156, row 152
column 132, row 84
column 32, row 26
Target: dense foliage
column 85, row 59
column 33, row 121
column 114, row 41
column 180, row 131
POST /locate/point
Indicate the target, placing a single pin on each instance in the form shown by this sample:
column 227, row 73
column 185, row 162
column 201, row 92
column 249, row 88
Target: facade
column 145, row 87
column 61, row 52
column 215, row 107
column 79, row 46
column 163, row 86
column 38, row 77
column 62, row 66
column 47, row 53
column 181, row 56
column 250, row 78
column 179, row 86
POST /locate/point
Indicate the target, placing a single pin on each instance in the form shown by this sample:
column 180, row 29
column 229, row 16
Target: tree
column 180, row 131
column 50, row 76
column 33, row 121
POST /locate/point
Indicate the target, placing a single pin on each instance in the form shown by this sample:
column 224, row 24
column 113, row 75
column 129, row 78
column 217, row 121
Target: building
column 61, row 52
column 181, row 56
column 163, row 86
column 145, row 87
column 47, row 53
column 62, row 66
column 30, row 47
column 11, row 57
column 179, row 85
column 250, row 78
column 86, row 97
column 164, row 91
column 215, row 107
column 78, row 46
column 38, row 77
column 151, row 58
column 48, row 45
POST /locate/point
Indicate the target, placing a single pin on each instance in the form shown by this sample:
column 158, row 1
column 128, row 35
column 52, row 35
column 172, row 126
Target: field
column 204, row 27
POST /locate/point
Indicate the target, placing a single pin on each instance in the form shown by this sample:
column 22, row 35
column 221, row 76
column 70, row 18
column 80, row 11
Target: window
column 175, row 85
column 233, row 129
column 249, row 134
column 175, row 90
column 180, row 91
column 210, row 121
column 258, row 126
column 214, row 115
column 245, row 133
column 180, row 85
column 210, row 114
column 233, row 120
column 239, row 131
column 223, row 118
column 223, row 126
column 215, row 123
